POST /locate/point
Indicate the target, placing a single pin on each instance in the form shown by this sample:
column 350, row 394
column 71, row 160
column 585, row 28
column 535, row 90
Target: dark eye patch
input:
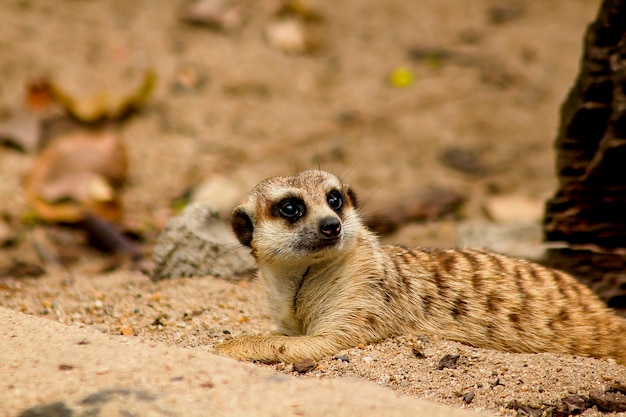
column 290, row 209
column 335, row 200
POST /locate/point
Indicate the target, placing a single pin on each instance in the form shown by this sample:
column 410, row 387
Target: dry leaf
column 300, row 9
column 39, row 94
column 106, row 104
column 78, row 173
column 22, row 131
column 19, row 269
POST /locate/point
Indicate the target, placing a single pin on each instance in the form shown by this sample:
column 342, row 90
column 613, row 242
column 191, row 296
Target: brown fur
column 356, row 290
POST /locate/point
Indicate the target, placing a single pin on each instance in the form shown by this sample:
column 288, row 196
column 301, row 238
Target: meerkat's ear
column 242, row 226
column 351, row 196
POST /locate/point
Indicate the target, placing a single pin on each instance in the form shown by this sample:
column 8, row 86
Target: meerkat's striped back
column 490, row 300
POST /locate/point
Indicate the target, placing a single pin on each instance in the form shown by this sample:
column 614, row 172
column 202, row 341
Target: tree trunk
column 590, row 205
column 589, row 208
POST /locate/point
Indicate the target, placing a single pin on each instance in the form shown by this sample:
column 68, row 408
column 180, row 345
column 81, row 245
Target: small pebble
column 505, row 12
column 304, row 366
column 469, row 396
column 525, row 410
column 367, row 359
column 342, row 358
column 189, row 77
column 288, row 35
column 126, row 330
column 575, row 404
column 448, row 361
column 223, row 15
column 495, row 383
column 417, row 352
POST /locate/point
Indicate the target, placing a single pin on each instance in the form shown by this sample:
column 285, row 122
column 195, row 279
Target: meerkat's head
column 307, row 217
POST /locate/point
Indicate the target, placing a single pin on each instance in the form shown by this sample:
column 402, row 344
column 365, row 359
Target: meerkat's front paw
column 233, row 348
column 274, row 348
column 266, row 349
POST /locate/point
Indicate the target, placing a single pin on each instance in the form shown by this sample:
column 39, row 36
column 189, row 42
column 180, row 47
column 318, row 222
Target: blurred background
column 440, row 113
column 116, row 115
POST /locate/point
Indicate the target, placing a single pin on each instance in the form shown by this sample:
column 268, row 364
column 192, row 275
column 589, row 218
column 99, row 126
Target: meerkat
column 331, row 285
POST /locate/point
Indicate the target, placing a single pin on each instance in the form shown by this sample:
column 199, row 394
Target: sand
column 489, row 77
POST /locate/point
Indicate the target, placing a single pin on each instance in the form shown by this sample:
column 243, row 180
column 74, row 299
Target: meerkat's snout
column 330, row 227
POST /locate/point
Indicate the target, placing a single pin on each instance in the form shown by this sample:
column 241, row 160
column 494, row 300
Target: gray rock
column 199, row 243
column 519, row 239
column 56, row 409
column 222, row 193
column 108, row 402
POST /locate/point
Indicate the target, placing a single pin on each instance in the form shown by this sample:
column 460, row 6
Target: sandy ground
column 491, row 90
column 90, row 374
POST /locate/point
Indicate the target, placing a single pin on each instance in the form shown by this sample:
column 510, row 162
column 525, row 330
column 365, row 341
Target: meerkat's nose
column 330, row 227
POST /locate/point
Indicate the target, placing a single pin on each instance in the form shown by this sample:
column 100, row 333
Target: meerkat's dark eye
column 291, row 209
column 335, row 200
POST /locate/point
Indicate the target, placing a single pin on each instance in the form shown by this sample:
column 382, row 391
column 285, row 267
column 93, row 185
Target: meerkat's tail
column 612, row 338
column 621, row 336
